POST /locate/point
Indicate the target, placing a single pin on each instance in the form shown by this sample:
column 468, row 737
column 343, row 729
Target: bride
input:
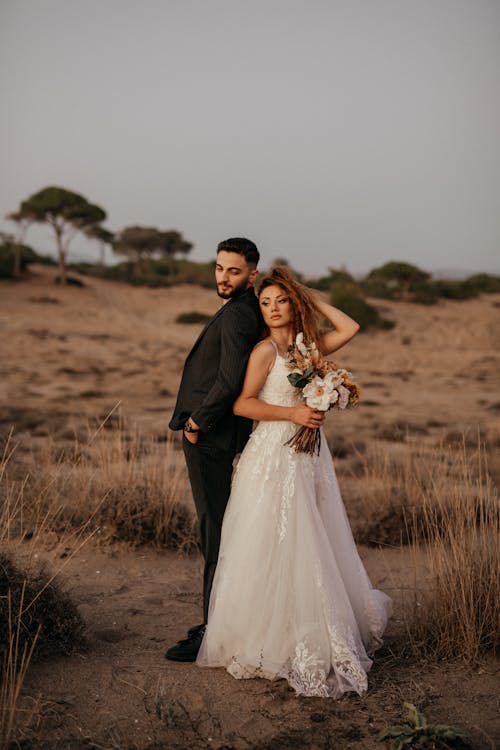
column 291, row 598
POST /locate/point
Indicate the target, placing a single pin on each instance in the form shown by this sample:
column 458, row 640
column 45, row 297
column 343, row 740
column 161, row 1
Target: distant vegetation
column 403, row 281
column 158, row 273
column 157, row 258
column 349, row 297
column 66, row 213
column 26, row 255
column 192, row 317
column 396, row 281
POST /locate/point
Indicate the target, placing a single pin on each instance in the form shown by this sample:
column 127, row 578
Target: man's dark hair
column 242, row 246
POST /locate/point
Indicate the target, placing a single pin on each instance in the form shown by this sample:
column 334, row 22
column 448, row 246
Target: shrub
column 484, row 282
column 115, row 484
column 70, row 281
column 186, row 272
column 117, row 272
column 424, row 293
column 378, row 288
column 192, row 317
column 7, row 252
column 158, row 273
column 416, row 732
column 6, row 262
column 335, row 276
column 349, row 298
column 394, row 280
column 442, row 501
column 33, row 603
column 455, row 289
column 86, row 269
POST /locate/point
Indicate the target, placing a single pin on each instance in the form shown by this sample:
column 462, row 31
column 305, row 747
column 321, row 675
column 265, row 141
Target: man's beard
column 230, row 292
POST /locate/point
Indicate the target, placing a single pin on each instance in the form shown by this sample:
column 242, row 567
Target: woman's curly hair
column 306, row 317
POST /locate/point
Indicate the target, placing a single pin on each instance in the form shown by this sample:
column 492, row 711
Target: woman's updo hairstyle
column 306, row 317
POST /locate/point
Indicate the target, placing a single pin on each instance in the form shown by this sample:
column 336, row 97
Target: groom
column 212, row 434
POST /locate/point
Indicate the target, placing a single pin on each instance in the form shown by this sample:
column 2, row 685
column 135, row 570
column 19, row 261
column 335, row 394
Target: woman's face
column 276, row 307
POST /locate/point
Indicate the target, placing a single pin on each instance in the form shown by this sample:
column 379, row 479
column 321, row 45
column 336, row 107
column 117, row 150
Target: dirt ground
column 68, row 356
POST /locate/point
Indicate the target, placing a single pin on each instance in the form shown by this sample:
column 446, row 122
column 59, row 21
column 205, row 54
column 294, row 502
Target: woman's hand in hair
column 345, row 327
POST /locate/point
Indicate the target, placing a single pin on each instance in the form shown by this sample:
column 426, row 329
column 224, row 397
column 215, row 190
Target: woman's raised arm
column 345, row 327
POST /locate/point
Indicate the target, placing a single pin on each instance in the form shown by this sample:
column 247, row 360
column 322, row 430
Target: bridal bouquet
column 324, row 386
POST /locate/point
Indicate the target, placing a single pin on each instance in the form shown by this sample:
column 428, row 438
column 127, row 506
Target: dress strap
column 275, row 346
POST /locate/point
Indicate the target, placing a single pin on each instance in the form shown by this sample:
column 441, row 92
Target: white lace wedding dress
column 291, row 598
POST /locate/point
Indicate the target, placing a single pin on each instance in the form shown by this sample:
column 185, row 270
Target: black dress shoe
column 195, row 629
column 186, row 650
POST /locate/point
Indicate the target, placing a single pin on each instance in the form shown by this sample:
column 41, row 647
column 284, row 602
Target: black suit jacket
column 214, row 371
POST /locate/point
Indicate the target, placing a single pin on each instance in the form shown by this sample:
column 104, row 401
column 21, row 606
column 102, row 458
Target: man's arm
column 238, row 336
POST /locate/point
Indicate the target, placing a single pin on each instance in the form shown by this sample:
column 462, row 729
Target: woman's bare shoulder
column 263, row 353
column 266, row 345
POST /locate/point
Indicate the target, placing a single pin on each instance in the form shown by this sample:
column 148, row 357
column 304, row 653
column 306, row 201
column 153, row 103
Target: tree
column 335, row 276
column 174, row 244
column 394, row 279
column 23, row 223
column 66, row 213
column 140, row 244
column 102, row 236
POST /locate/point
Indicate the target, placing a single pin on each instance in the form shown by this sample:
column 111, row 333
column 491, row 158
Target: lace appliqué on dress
column 307, row 675
column 346, row 661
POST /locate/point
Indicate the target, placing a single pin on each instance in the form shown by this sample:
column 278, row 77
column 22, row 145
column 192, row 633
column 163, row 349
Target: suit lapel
column 202, row 334
column 212, row 320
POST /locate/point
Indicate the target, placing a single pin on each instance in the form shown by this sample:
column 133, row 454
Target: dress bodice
column 277, row 389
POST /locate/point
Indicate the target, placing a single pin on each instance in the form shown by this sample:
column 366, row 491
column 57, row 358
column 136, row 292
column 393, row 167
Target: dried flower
column 324, row 386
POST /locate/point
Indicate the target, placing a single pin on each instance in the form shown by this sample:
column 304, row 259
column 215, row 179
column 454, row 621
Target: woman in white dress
column 291, row 598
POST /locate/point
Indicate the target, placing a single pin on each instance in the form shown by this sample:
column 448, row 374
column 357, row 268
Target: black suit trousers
column 210, row 470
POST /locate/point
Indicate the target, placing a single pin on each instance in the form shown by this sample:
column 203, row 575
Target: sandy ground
column 68, row 357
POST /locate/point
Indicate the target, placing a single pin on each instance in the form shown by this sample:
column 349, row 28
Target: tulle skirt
column 291, row 598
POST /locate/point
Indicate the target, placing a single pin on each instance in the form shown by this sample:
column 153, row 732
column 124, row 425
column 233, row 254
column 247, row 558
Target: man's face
column 232, row 274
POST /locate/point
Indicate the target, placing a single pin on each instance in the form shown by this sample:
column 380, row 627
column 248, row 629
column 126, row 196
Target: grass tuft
column 440, row 500
column 34, row 604
column 116, row 484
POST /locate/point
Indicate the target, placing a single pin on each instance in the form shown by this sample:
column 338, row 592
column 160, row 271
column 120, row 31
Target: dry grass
column 438, row 498
column 33, row 601
column 456, row 611
column 116, row 484
column 441, row 500
column 113, row 482
column 15, row 663
column 387, row 485
column 37, row 619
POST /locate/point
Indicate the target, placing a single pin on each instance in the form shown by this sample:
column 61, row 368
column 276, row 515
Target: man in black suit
column 212, row 435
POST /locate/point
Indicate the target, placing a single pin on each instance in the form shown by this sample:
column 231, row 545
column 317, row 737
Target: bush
column 349, row 298
column 484, row 282
column 192, row 317
column 7, row 253
column 185, row 272
column 456, row 289
column 440, row 499
column 325, row 283
column 86, row 269
column 158, row 273
column 394, row 280
column 424, row 293
column 122, row 486
column 378, row 288
column 32, row 603
column 70, row 281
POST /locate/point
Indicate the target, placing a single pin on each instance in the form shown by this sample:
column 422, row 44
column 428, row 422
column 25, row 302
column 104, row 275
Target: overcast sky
column 330, row 132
